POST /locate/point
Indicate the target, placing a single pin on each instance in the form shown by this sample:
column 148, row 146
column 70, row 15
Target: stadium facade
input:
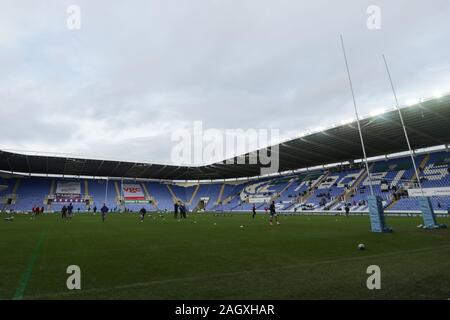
column 319, row 171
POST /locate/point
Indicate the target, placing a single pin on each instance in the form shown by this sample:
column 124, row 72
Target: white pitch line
column 236, row 273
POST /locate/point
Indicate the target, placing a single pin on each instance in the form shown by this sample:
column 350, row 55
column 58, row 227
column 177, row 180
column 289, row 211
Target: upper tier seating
column 390, row 179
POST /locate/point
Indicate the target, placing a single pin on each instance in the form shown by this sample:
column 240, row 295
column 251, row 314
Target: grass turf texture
column 304, row 258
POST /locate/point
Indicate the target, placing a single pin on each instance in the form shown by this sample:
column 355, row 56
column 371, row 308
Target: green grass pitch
column 212, row 257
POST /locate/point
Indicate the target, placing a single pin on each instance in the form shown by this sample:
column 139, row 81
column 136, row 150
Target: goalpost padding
column 428, row 216
column 376, row 213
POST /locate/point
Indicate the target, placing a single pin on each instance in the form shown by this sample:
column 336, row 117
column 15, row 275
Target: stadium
column 356, row 209
column 318, row 172
column 310, row 193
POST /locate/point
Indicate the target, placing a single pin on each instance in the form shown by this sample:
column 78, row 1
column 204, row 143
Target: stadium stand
column 314, row 176
column 97, row 190
column 206, row 197
column 183, row 193
column 333, row 188
column 6, row 186
column 324, row 190
column 434, row 173
column 31, row 192
column 231, row 197
column 160, row 192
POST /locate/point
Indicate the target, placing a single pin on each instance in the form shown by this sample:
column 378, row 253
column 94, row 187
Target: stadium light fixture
column 348, row 121
column 438, row 94
column 412, row 102
column 319, row 129
column 377, row 112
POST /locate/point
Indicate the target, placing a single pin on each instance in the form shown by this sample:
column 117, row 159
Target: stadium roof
column 428, row 124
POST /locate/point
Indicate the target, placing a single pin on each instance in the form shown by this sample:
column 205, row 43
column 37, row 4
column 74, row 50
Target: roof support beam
column 347, row 141
column 314, row 153
column 115, row 168
column 409, row 129
column 98, row 168
column 326, row 147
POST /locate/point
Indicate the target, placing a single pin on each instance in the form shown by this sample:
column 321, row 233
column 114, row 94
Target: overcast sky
column 137, row 70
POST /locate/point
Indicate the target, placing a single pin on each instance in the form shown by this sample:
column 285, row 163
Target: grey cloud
column 138, row 70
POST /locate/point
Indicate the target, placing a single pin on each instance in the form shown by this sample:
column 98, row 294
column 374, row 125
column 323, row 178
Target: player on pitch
column 104, row 210
column 142, row 212
column 273, row 213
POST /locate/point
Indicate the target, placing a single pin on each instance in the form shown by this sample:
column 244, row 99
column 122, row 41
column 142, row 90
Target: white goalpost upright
column 122, row 196
column 429, row 218
column 376, row 211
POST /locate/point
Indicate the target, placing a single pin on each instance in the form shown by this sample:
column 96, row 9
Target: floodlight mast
column 397, row 106
column 357, row 116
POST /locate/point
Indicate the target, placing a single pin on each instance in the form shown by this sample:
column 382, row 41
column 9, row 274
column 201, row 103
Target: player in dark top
column 347, row 209
column 64, row 212
column 254, row 211
column 104, row 210
column 182, row 211
column 176, row 206
column 70, row 210
column 142, row 212
column 273, row 213
column 95, row 209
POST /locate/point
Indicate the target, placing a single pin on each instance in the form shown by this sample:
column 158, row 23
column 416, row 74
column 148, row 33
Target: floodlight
column 377, row 112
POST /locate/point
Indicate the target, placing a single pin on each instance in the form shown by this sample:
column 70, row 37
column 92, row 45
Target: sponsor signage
column 430, row 192
column 133, row 192
column 67, row 188
column 259, row 199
